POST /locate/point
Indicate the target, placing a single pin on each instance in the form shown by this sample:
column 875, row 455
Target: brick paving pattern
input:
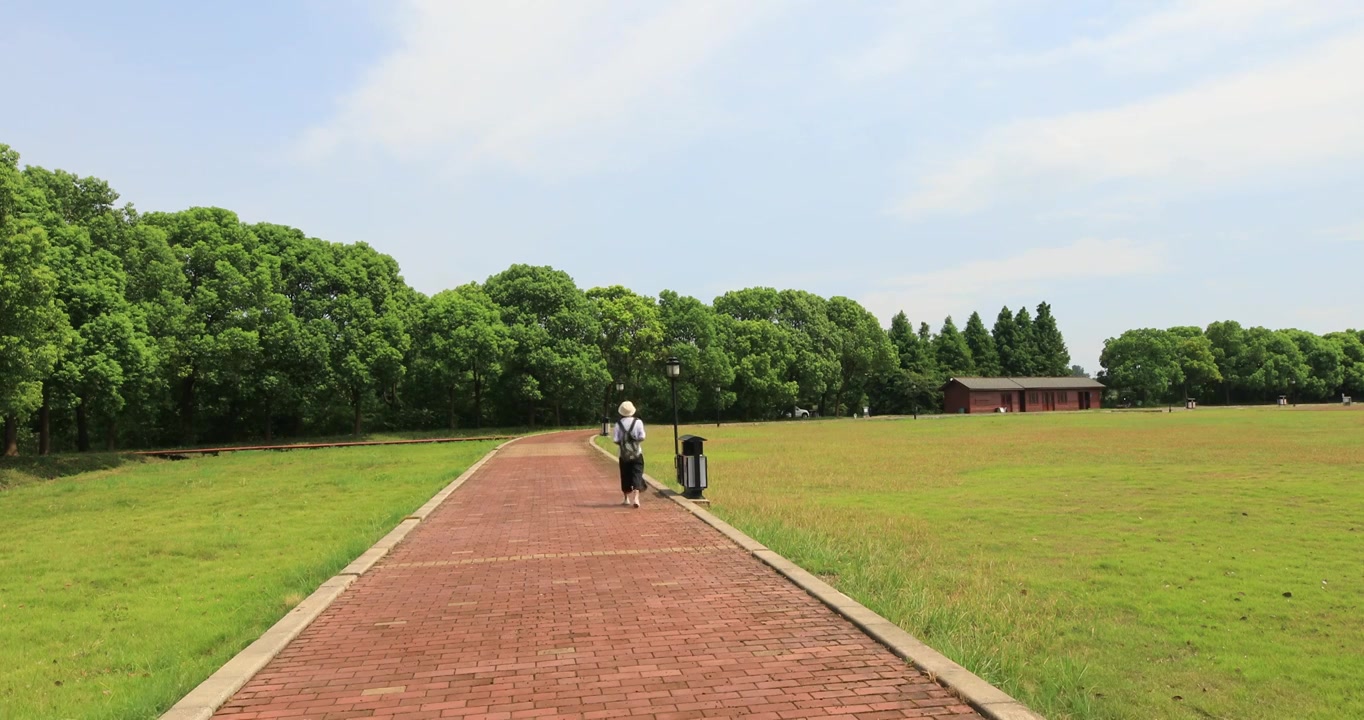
column 531, row 593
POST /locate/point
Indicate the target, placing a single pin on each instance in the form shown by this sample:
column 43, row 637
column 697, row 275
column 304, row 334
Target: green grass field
column 1098, row 565
column 123, row 586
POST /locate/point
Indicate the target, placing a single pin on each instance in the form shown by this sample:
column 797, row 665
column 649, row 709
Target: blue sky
column 1135, row 164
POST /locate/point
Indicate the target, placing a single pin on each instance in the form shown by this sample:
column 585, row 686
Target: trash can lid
column 691, row 437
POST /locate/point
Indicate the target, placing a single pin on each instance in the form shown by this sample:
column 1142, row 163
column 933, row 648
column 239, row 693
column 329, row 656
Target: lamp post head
column 620, row 385
column 674, row 368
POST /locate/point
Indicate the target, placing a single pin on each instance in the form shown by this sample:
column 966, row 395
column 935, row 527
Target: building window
column 1065, row 396
column 1032, row 398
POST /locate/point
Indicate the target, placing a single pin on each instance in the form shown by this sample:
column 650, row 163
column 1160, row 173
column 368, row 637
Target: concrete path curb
column 992, row 702
column 208, row 696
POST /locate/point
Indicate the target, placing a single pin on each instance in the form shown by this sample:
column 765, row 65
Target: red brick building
column 987, row 395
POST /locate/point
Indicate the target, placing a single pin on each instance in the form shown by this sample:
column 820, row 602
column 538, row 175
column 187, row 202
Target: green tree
column 926, row 378
column 804, row 332
column 296, row 348
column 1352, row 361
column 1325, row 362
column 108, row 346
column 915, row 385
column 982, row 346
column 1141, row 364
column 214, row 352
column 557, row 365
column 32, row 326
column 1228, row 346
column 692, row 333
column 155, row 288
column 1271, row 365
column 1052, row 356
column 901, row 334
column 862, row 348
column 763, row 358
column 369, row 327
column 464, row 342
column 1193, row 353
column 1026, row 356
column 816, row 370
column 951, row 351
column 632, row 332
column 1007, row 344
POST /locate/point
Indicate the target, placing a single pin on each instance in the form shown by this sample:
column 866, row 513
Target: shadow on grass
column 28, row 469
column 16, row 471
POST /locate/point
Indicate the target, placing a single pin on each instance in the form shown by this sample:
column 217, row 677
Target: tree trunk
column 82, row 427
column 187, row 410
column 452, row 407
column 478, row 400
column 45, row 423
column 269, row 425
column 11, row 436
column 355, row 403
column 558, row 422
column 838, row 398
column 111, row 436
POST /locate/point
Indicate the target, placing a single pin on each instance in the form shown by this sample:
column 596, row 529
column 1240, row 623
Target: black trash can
column 691, row 471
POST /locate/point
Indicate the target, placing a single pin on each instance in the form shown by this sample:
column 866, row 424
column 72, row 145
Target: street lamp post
column 1292, row 395
column 606, row 416
column 674, row 369
column 717, row 406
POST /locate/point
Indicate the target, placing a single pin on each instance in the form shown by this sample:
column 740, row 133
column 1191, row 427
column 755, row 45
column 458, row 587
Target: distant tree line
column 120, row 328
column 1227, row 363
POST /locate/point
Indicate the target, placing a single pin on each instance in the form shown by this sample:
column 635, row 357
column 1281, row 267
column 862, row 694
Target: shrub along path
column 532, row 593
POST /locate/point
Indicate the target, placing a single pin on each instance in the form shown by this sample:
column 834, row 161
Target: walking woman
column 629, row 435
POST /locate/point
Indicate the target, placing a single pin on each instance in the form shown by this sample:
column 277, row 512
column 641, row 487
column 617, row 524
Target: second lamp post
column 674, row 367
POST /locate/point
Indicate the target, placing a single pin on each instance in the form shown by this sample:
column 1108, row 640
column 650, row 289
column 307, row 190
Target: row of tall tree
column 120, row 328
column 1018, row 345
column 1228, row 363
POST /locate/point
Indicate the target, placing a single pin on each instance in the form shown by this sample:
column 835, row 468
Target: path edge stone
column 209, row 695
column 989, row 700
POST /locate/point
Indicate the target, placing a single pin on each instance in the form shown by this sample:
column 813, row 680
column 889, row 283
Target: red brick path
column 532, row 594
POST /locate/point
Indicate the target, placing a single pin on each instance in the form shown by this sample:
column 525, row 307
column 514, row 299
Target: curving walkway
column 530, row 593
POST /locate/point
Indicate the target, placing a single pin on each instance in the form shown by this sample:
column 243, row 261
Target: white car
column 801, row 413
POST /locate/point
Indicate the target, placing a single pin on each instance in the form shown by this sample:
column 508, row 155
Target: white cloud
column 983, row 284
column 919, row 32
column 1190, row 31
column 1293, row 113
column 537, row 87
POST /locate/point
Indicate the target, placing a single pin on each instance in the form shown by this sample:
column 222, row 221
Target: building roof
column 1059, row 383
column 1027, row 383
column 984, row 383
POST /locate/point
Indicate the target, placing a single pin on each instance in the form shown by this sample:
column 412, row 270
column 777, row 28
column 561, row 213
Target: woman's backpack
column 629, row 446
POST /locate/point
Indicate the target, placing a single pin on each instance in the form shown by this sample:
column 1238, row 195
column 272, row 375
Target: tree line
column 1228, row 363
column 127, row 329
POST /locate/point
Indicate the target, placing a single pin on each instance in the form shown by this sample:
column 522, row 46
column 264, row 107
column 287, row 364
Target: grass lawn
column 124, row 586
column 1097, row 565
